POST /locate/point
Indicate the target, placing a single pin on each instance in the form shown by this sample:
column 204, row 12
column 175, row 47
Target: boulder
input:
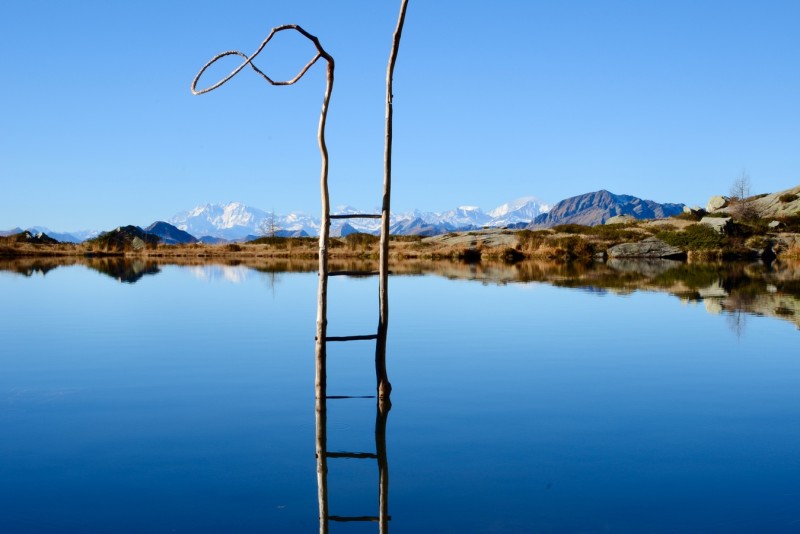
column 621, row 219
column 721, row 224
column 647, row 248
column 717, row 203
column 775, row 225
column 697, row 211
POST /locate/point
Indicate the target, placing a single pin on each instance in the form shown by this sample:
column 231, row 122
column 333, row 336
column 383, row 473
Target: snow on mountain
column 523, row 209
column 233, row 220
column 236, row 221
column 65, row 237
column 465, row 216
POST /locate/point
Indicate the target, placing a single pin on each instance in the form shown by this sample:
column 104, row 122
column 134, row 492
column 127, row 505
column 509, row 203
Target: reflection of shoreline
column 723, row 288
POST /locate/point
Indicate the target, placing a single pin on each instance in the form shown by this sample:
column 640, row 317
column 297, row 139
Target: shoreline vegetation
column 686, row 237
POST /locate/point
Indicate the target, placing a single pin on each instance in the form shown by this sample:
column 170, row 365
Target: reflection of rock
column 647, row 248
column 716, row 203
column 643, row 266
column 778, row 305
column 713, row 291
column 713, row 306
column 721, row 224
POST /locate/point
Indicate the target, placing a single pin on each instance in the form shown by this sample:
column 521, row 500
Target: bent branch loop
column 248, row 60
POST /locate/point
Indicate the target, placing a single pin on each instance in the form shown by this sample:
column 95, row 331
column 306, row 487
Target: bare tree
column 741, row 203
column 270, row 227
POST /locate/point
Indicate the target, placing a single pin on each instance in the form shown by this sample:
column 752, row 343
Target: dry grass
column 563, row 243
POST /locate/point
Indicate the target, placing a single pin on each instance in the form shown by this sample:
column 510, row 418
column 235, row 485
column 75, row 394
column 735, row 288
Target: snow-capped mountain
column 465, row 216
column 235, row 220
column 66, row 237
column 523, row 209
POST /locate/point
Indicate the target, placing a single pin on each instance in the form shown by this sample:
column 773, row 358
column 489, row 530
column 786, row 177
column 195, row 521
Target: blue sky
column 669, row 101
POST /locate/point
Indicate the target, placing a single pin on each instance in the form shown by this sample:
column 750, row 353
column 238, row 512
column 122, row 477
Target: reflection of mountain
column 32, row 266
column 126, row 271
column 727, row 288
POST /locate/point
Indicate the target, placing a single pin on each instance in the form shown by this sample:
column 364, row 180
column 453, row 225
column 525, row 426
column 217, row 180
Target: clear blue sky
column 493, row 100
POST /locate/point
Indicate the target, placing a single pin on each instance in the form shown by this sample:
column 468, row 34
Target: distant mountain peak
column 595, row 208
column 170, row 234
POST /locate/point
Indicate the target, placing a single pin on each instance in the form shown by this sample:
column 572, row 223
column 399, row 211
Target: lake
column 620, row 397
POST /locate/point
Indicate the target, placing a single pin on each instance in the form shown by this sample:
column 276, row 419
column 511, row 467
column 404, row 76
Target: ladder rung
column 352, row 338
column 354, row 455
column 357, row 216
column 337, row 397
column 354, row 273
column 344, row 519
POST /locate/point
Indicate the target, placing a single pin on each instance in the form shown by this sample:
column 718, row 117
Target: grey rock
column 647, row 248
column 774, row 225
column 721, row 224
column 717, row 203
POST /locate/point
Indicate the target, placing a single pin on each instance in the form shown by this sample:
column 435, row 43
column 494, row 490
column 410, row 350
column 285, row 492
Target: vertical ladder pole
column 324, row 239
column 322, row 459
column 382, row 413
column 320, row 379
column 384, row 387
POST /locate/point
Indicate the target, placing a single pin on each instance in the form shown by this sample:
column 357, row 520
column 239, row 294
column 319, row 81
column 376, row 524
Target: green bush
column 607, row 232
column 788, row 197
column 695, row 237
column 573, row 229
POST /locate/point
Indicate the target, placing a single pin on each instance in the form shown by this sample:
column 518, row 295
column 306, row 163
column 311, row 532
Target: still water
column 620, row 398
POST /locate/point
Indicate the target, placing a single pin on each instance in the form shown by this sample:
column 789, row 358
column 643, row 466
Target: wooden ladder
column 384, row 388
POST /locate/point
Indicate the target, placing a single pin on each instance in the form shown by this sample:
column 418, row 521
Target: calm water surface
column 181, row 399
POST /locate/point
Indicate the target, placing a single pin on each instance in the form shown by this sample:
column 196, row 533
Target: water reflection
column 323, row 454
column 328, row 270
column 754, row 289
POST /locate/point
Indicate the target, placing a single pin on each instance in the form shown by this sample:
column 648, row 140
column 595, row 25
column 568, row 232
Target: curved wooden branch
column 248, row 60
column 324, row 232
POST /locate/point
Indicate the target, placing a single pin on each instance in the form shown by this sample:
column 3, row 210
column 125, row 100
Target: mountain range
column 234, row 221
